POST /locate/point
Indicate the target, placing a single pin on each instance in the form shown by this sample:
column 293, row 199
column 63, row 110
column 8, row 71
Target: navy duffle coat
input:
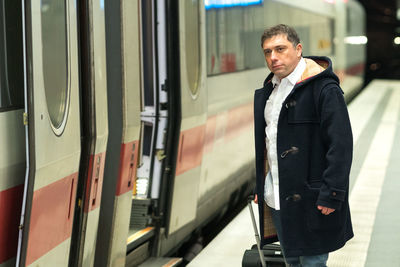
column 314, row 148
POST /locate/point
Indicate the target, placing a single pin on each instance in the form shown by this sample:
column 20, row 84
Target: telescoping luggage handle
column 249, row 200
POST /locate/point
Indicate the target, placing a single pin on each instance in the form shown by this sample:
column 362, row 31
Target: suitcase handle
column 251, row 198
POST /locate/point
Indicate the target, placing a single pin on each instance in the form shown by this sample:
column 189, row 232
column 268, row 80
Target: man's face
column 281, row 56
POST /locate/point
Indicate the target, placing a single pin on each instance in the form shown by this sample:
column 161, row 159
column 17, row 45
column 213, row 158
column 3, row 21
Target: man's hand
column 325, row 210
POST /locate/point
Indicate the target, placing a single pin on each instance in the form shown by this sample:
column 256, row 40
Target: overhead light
column 356, row 40
column 397, row 40
column 333, row 1
column 230, row 3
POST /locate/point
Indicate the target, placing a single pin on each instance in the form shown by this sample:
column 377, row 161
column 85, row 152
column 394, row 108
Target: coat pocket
column 315, row 220
column 301, row 113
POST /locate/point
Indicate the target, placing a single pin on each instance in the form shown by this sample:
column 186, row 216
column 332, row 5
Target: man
column 303, row 143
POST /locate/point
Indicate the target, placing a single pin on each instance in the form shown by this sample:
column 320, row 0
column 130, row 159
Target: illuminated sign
column 229, row 3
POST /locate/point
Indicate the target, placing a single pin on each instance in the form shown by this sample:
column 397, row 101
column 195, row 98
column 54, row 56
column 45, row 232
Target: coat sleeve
column 338, row 142
column 255, row 139
column 259, row 139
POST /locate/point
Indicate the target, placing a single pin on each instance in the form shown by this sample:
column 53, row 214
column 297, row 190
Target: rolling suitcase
column 269, row 256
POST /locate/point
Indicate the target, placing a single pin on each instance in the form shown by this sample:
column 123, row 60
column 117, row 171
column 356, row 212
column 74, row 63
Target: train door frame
column 94, row 126
column 105, row 254
column 12, row 137
column 173, row 86
column 154, row 114
column 155, row 118
column 154, row 95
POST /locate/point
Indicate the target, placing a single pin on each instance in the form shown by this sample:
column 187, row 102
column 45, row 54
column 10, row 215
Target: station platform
column 374, row 190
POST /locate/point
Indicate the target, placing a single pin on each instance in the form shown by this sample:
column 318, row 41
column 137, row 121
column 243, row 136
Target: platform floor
column 374, row 190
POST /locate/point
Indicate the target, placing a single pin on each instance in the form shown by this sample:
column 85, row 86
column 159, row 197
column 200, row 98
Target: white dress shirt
column 273, row 107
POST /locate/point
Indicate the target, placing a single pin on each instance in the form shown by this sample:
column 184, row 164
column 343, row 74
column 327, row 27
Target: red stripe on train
column 51, row 217
column 127, row 167
column 10, row 212
column 211, row 125
column 190, row 151
column 239, row 119
column 94, row 182
column 196, row 141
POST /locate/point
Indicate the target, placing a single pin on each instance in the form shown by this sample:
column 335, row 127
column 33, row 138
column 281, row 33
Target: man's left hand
column 325, row 210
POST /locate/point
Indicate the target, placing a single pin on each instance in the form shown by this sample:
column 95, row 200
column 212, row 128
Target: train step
column 139, row 236
column 161, row 262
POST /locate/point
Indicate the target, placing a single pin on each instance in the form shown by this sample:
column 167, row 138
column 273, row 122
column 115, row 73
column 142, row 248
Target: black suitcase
column 269, row 256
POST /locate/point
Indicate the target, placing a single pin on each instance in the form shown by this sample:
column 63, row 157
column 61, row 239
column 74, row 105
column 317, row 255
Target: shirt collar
column 292, row 77
column 275, row 81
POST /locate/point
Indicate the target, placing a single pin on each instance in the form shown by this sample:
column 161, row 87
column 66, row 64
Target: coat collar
column 314, row 67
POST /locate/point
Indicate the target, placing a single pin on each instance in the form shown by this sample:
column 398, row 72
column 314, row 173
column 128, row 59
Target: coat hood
column 316, row 67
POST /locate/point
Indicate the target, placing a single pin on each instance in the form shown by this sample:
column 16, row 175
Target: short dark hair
column 290, row 33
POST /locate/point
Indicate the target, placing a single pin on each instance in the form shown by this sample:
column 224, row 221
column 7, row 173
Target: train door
column 94, row 131
column 53, row 132
column 182, row 207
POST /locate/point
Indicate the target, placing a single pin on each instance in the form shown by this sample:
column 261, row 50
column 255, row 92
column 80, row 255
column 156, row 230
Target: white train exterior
column 126, row 125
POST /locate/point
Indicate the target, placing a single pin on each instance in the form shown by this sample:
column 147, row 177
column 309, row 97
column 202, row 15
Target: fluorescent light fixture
column 230, row 3
column 356, row 40
column 142, row 185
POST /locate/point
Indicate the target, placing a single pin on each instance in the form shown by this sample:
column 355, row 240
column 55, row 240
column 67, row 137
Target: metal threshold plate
column 164, row 262
column 139, row 237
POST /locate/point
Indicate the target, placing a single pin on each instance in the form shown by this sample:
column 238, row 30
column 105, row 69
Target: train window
column 233, row 39
column 192, row 43
column 148, row 53
column 11, row 59
column 234, row 33
column 55, row 59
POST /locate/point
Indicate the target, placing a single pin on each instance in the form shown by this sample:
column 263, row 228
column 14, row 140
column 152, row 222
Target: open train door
column 188, row 45
column 52, row 131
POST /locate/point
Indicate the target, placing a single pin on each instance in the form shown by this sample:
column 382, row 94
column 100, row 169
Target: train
column 127, row 125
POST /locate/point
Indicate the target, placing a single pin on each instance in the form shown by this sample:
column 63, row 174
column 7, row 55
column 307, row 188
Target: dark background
column 383, row 56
